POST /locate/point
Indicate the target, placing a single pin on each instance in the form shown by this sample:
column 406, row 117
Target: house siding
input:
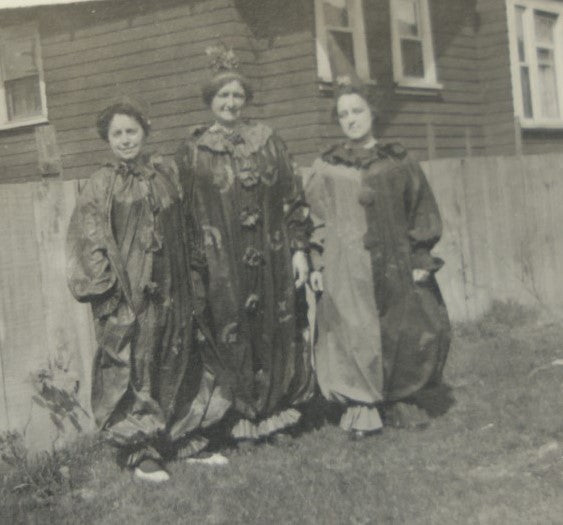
column 18, row 155
column 452, row 116
column 157, row 56
column 156, row 52
column 541, row 141
column 292, row 108
column 443, row 125
column 495, row 78
column 286, row 81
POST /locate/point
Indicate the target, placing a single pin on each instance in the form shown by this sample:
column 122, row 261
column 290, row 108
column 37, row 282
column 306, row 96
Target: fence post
column 5, row 421
column 48, row 153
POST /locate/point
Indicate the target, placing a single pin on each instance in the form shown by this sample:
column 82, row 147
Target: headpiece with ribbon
column 224, row 67
column 222, row 59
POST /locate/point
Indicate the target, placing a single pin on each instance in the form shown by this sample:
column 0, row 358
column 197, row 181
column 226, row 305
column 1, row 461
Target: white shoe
column 209, row 459
column 150, row 470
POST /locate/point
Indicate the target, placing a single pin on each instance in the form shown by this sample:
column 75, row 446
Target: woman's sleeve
column 425, row 224
column 185, row 164
column 315, row 195
column 296, row 210
column 89, row 273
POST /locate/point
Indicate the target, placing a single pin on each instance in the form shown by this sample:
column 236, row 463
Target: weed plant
column 494, row 457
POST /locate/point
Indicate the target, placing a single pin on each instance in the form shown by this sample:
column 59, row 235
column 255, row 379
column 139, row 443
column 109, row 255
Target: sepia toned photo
column 281, row 261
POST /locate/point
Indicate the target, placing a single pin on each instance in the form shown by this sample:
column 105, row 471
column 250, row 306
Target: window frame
column 358, row 31
column 430, row 79
column 530, row 48
column 29, row 30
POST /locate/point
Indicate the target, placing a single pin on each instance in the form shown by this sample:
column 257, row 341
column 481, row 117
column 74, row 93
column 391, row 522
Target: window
column 341, row 37
column 413, row 54
column 536, row 39
column 22, row 89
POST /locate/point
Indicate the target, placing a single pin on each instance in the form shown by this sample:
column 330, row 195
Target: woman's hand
column 420, row 276
column 300, row 268
column 316, row 280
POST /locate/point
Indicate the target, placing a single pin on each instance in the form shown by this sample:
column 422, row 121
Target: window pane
column 344, row 43
column 548, row 91
column 19, row 59
column 23, row 97
column 407, row 17
column 545, row 56
column 547, row 82
column 543, row 26
column 520, row 33
column 526, row 93
column 336, row 13
column 413, row 65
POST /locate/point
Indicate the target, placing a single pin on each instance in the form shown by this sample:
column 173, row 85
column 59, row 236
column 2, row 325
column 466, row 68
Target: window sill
column 418, row 88
column 327, row 86
column 24, row 123
column 540, row 125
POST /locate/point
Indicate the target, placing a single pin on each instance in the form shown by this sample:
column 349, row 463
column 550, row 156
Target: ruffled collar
column 243, row 140
column 360, row 157
column 145, row 165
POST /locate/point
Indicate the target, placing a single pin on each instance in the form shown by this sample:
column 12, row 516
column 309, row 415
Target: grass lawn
column 495, row 457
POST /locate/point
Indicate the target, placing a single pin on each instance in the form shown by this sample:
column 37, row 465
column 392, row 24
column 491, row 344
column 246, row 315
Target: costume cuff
column 422, row 259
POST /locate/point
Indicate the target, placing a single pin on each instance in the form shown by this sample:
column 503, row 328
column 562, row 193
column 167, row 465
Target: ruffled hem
column 147, row 452
column 361, row 417
column 192, row 446
column 245, row 429
column 136, row 430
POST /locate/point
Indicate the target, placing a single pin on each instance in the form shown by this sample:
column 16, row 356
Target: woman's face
column 126, row 137
column 228, row 102
column 355, row 117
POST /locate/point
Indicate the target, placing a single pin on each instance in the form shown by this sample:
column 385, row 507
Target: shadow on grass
column 319, row 413
column 315, row 414
column 499, row 319
column 436, row 401
column 494, row 457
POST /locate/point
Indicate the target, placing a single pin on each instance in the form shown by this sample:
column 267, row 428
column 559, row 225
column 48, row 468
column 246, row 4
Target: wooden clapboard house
column 452, row 78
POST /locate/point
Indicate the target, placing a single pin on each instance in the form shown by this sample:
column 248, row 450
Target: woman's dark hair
column 350, row 89
column 120, row 108
column 211, row 88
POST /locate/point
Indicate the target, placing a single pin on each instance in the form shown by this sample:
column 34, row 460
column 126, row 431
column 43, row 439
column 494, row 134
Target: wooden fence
column 40, row 323
column 503, row 240
column 503, row 235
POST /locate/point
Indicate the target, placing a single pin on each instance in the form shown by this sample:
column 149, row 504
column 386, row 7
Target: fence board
column 39, row 319
column 501, row 240
column 22, row 303
column 502, row 237
column 66, row 321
